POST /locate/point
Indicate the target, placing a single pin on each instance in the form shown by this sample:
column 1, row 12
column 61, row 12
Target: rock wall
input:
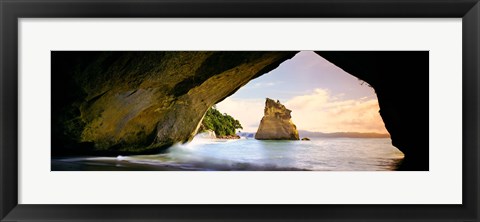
column 110, row 103
column 276, row 123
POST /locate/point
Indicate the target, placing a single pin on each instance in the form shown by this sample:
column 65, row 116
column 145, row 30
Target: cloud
column 262, row 85
column 248, row 111
column 322, row 112
column 315, row 111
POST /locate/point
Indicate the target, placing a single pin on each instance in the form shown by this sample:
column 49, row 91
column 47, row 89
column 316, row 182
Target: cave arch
column 110, row 103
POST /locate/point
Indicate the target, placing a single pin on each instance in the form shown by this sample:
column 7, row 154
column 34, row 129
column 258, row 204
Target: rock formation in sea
column 276, row 123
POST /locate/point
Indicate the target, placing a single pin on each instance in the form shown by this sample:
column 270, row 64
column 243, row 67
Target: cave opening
column 316, row 91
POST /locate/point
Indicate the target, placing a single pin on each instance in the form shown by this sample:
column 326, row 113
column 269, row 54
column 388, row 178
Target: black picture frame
column 11, row 11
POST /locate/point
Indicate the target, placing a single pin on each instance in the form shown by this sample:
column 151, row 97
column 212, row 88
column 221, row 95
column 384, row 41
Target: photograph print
column 239, row 111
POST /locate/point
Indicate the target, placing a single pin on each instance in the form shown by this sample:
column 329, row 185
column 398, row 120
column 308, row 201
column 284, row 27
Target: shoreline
column 229, row 137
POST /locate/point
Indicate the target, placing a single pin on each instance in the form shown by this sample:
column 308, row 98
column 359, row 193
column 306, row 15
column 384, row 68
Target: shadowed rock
column 276, row 123
column 108, row 103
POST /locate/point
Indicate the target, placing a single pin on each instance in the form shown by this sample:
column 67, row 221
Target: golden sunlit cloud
column 318, row 111
column 322, row 112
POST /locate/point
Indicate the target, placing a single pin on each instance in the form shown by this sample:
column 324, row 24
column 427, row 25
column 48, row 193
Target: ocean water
column 318, row 154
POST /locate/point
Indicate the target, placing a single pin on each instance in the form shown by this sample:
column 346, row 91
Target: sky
column 322, row 97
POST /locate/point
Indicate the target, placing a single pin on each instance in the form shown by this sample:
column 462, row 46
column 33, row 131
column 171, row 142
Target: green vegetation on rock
column 222, row 124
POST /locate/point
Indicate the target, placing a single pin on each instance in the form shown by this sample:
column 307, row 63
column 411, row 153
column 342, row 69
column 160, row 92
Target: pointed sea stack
column 276, row 123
